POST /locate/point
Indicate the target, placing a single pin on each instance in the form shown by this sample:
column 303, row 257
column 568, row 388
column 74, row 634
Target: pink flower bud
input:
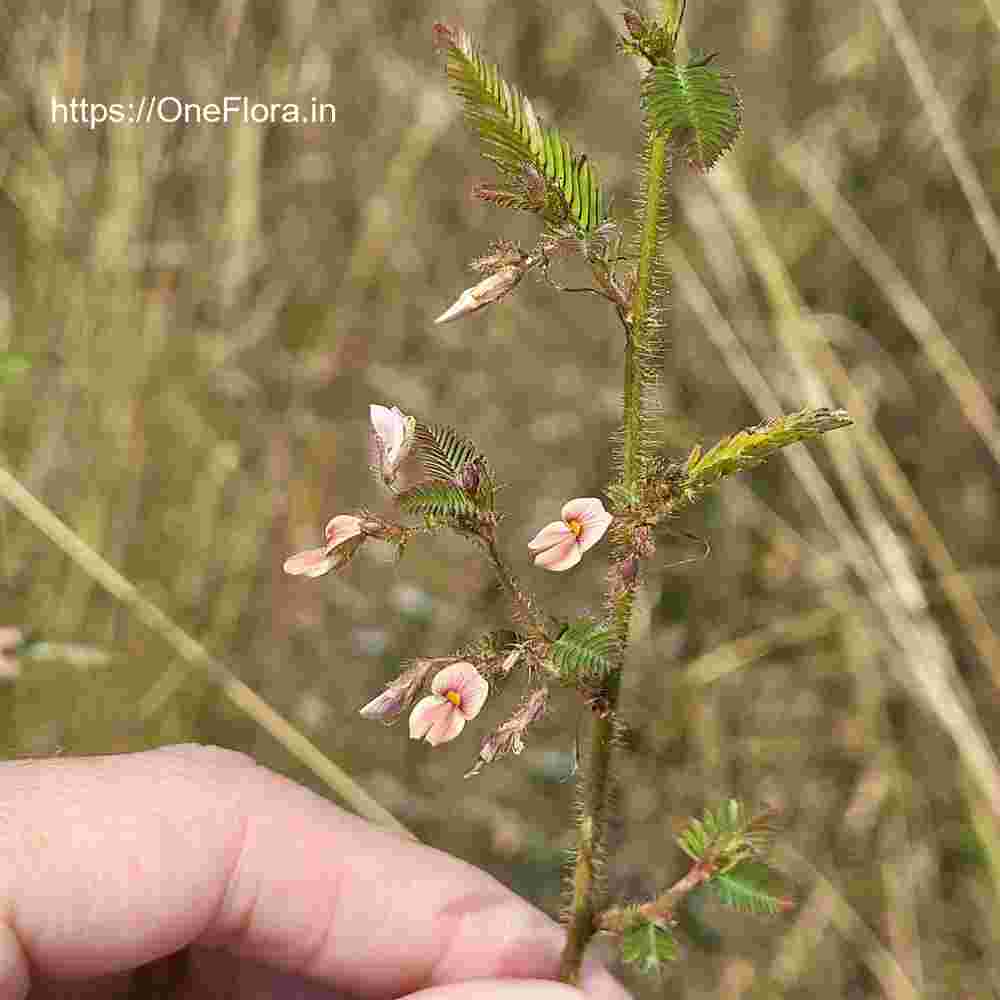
column 386, row 706
column 392, row 438
column 469, row 478
column 628, row 569
column 490, row 289
column 402, row 692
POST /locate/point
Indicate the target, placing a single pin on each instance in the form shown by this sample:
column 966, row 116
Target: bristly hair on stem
column 645, row 343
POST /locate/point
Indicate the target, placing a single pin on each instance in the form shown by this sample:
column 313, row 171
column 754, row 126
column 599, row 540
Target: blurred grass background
column 205, row 312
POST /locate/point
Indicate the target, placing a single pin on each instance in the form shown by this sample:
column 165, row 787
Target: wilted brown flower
column 509, row 736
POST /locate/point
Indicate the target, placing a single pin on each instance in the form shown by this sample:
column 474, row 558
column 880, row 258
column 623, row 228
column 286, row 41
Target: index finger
column 108, row 863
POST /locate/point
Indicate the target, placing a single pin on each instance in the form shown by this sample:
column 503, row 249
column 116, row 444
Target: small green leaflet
column 518, row 143
column 584, row 651
column 747, row 888
column 436, row 499
column 648, row 946
column 697, row 106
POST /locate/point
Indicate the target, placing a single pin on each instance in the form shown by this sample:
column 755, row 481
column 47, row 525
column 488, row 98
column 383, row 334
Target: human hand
column 108, row 864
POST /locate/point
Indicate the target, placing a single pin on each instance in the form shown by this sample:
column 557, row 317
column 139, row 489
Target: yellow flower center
column 454, row 697
column 575, row 526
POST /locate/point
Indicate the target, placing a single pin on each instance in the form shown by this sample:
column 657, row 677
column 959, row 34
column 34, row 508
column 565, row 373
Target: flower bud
column 628, row 569
column 634, row 24
column 386, row 706
column 490, row 289
column 402, row 692
column 392, row 436
column 469, row 478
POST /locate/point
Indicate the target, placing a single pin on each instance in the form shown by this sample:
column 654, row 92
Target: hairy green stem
column 523, row 605
column 594, row 788
column 586, row 902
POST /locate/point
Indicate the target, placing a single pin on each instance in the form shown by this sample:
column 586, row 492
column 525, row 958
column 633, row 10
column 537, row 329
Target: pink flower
column 10, row 638
column 561, row 544
column 316, row 562
column 459, row 695
column 393, row 433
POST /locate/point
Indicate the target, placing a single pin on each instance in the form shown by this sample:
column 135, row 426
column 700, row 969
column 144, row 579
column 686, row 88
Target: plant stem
column 593, row 789
column 523, row 605
column 616, row 918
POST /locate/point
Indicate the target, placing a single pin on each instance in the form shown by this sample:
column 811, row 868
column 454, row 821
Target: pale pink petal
column 581, row 508
column 341, row 528
column 426, row 712
column 463, row 679
column 386, row 423
column 560, row 557
column 552, row 534
column 593, row 533
column 392, row 428
column 394, row 432
column 10, row 636
column 436, row 720
column 458, row 676
column 312, row 562
column 447, row 728
column 593, row 518
column 593, row 530
column 474, row 694
column 452, row 677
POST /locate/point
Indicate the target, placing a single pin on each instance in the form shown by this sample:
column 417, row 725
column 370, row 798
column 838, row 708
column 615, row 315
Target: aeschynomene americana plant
column 439, row 480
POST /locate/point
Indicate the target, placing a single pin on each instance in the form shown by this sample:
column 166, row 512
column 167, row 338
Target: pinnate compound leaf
column 648, row 945
column 436, row 499
column 747, row 888
column 728, row 836
column 445, row 455
column 585, row 651
column 703, row 839
column 751, row 447
column 517, row 142
column 697, row 106
column 443, row 451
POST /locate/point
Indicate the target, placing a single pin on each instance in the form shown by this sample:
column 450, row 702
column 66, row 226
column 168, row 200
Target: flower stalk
column 523, row 607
